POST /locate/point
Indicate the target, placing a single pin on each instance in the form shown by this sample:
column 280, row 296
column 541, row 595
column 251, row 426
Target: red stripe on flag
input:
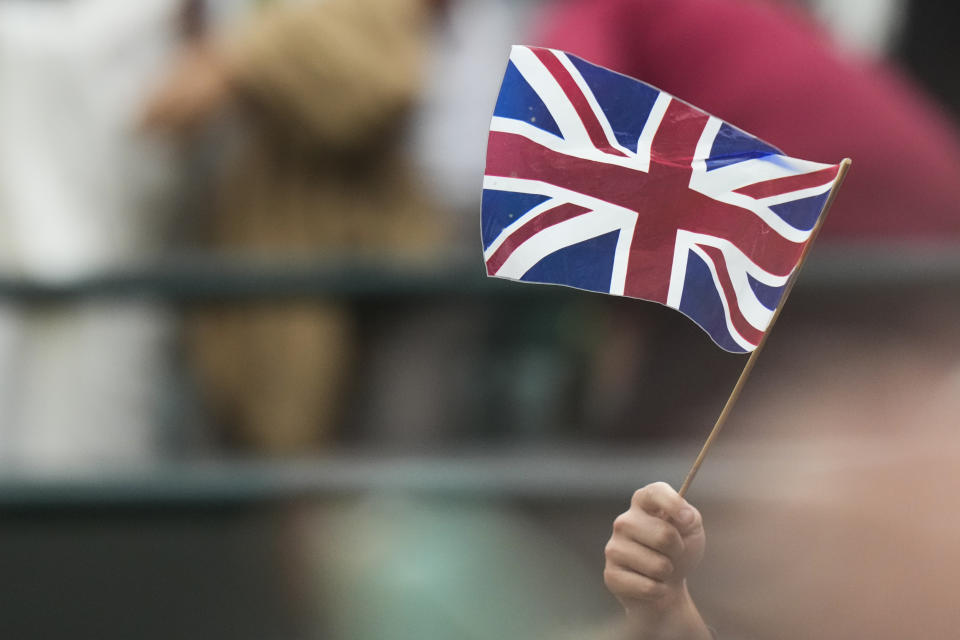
column 578, row 100
column 546, row 219
column 791, row 183
column 740, row 323
column 662, row 201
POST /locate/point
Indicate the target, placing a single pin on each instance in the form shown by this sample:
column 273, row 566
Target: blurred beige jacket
column 326, row 88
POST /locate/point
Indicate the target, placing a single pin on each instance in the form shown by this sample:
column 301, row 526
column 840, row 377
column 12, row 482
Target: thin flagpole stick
column 728, row 407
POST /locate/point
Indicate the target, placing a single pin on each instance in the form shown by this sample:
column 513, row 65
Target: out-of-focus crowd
column 295, row 131
column 134, row 133
column 284, row 131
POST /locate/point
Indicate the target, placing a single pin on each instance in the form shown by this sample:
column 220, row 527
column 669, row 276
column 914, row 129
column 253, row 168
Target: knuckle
column 620, row 523
column 660, row 487
column 697, row 521
column 663, row 493
column 666, row 539
column 661, row 568
column 610, row 550
column 662, row 537
column 638, row 496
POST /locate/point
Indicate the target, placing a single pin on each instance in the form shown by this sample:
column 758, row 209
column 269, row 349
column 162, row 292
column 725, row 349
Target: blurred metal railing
column 194, row 278
column 574, row 472
column 539, row 473
column 585, row 473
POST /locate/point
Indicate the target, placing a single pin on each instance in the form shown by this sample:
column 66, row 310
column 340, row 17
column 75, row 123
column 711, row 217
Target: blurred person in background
column 845, row 452
column 323, row 91
column 825, row 497
column 408, row 566
column 82, row 382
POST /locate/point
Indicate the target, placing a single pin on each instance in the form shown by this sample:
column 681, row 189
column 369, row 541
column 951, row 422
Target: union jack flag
column 598, row 181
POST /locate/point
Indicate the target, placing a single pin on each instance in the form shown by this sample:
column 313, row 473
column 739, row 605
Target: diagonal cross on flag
column 601, row 182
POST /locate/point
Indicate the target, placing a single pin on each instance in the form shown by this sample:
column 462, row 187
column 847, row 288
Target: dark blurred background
column 255, row 384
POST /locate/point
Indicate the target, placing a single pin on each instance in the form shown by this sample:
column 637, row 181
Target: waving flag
column 598, row 181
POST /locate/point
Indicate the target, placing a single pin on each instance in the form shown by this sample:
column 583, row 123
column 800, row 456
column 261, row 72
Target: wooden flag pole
column 728, row 407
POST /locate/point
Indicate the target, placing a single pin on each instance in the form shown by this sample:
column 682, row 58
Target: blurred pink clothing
column 772, row 72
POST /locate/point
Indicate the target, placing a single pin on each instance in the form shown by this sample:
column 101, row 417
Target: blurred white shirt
column 80, row 192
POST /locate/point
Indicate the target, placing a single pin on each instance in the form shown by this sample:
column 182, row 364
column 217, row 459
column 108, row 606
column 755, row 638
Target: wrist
column 674, row 618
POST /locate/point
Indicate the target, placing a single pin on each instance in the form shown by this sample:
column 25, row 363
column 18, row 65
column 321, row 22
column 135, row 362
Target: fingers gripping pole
column 738, row 388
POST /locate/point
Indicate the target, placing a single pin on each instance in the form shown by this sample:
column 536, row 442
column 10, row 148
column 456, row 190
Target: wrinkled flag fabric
column 598, row 181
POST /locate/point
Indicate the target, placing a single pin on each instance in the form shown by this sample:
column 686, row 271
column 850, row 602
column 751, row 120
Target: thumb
column 687, row 520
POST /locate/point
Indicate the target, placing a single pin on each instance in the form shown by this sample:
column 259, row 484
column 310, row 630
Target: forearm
column 677, row 620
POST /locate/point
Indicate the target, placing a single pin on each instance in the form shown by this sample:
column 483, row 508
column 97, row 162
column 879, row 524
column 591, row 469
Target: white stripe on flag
column 559, row 236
